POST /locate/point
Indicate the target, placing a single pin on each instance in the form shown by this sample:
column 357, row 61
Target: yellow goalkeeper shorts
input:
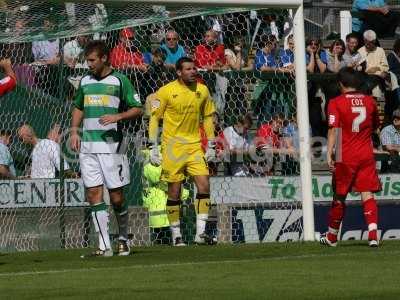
column 180, row 161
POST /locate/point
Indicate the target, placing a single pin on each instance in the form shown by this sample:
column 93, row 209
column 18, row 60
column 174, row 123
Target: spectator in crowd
column 376, row 65
column 267, row 58
column 127, row 54
column 73, row 52
column 237, row 143
column 9, row 82
column 287, row 55
column 351, row 56
column 376, row 62
column 376, row 15
column 46, row 52
column 235, row 55
column 173, row 51
column 390, row 139
column 210, row 55
column 7, row 169
column 316, row 57
column 268, row 140
column 393, row 59
column 290, row 134
column 45, row 154
column 335, row 56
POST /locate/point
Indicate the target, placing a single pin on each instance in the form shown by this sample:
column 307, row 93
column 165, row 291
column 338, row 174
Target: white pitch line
column 183, row 264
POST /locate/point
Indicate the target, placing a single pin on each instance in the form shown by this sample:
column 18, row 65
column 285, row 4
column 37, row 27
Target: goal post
column 269, row 198
column 301, row 92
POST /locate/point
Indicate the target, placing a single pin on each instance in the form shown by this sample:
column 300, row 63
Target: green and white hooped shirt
column 97, row 97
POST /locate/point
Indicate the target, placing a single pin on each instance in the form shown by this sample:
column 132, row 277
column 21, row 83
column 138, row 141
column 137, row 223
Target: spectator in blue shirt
column 316, row 57
column 287, row 55
column 266, row 57
column 173, row 51
column 376, row 16
column 7, row 169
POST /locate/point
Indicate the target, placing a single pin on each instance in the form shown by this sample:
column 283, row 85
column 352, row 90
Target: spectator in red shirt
column 126, row 54
column 210, row 55
column 267, row 136
column 9, row 82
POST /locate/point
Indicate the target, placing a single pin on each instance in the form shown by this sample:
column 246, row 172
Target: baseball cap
column 126, row 33
column 396, row 113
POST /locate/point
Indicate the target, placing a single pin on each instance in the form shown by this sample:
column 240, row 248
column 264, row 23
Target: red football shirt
column 205, row 55
column 7, row 84
column 356, row 117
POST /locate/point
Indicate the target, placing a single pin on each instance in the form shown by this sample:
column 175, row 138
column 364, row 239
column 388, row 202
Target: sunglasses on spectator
column 314, row 43
column 171, row 39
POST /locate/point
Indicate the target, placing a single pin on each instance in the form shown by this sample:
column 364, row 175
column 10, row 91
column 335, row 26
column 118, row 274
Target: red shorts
column 357, row 177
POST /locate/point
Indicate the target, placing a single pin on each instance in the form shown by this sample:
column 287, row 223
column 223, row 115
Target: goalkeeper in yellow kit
column 183, row 104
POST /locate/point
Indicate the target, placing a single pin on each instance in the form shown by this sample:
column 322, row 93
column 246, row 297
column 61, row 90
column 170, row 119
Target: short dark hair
column 181, row 61
column 5, row 132
column 352, row 35
column 349, row 78
column 97, row 46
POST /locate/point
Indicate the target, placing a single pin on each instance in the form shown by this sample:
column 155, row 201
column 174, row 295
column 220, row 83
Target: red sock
column 371, row 217
column 335, row 217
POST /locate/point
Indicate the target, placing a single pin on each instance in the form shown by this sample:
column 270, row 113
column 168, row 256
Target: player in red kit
column 352, row 119
column 8, row 82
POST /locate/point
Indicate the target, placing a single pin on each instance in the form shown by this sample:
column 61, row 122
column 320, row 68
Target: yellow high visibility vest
column 155, row 200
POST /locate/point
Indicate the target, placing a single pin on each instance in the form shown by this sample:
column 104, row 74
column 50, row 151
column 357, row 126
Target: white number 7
column 362, row 115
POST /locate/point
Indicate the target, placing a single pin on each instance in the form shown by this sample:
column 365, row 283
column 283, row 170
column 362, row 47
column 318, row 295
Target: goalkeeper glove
column 155, row 156
column 211, row 154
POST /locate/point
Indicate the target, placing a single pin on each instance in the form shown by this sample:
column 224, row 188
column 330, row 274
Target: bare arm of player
column 132, row 113
column 330, row 148
column 75, row 141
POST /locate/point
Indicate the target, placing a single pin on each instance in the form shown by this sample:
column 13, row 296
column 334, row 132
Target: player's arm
column 208, row 111
column 77, row 117
column 333, row 123
column 158, row 107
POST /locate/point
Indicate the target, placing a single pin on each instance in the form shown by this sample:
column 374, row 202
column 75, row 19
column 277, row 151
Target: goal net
column 244, row 56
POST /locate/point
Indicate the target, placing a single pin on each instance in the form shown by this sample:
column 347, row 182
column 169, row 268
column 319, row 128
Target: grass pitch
column 263, row 271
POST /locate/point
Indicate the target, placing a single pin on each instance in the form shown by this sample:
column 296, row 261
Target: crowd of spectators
column 220, row 51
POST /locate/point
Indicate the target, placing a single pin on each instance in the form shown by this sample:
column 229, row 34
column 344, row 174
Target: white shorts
column 104, row 168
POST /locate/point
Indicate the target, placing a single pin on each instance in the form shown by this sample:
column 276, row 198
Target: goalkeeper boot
column 123, row 248
column 178, row 242
column 102, row 253
column 204, row 239
column 324, row 240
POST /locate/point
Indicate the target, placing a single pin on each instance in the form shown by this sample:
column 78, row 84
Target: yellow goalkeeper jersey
column 182, row 109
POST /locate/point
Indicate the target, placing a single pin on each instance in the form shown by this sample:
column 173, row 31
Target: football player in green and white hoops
column 99, row 103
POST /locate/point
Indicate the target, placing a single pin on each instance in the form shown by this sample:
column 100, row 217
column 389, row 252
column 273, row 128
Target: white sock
column 175, row 230
column 100, row 220
column 201, row 223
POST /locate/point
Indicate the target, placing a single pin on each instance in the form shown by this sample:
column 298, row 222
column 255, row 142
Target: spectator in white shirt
column 237, row 141
column 73, row 52
column 45, row 154
column 46, row 52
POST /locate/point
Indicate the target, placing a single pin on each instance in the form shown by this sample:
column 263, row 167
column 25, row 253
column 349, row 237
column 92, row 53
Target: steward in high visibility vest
column 155, row 197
